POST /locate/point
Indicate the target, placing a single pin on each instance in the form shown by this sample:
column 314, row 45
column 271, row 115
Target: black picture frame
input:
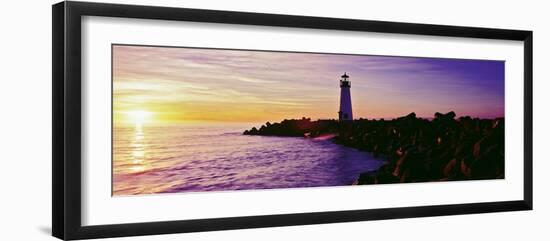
column 66, row 127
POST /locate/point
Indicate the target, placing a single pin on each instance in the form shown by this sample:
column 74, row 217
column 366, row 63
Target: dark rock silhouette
column 296, row 128
column 416, row 149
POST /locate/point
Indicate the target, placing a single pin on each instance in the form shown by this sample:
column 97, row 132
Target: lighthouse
column 345, row 113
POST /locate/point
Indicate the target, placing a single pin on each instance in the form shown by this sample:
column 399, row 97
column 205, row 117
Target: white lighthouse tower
column 345, row 113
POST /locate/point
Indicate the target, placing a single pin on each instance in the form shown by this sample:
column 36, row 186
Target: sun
column 139, row 117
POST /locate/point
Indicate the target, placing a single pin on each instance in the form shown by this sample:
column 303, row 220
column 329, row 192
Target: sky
column 168, row 84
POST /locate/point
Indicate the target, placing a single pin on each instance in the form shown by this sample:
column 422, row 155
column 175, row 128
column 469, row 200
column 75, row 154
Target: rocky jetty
column 416, row 149
column 295, row 127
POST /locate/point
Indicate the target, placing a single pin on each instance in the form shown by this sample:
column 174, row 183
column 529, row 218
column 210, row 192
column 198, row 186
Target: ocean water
column 208, row 157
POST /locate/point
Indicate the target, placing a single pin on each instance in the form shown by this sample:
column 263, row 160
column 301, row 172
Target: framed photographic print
column 170, row 120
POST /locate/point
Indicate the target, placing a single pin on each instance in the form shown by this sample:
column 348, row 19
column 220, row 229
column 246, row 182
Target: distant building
column 345, row 113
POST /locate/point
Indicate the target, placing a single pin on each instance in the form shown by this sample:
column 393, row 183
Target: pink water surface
column 208, row 157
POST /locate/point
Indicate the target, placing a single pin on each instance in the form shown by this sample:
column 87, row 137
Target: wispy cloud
column 259, row 86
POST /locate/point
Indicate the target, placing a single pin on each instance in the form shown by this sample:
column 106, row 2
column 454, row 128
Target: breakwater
column 443, row 148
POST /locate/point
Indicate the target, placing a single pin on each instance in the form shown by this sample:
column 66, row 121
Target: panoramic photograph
column 201, row 119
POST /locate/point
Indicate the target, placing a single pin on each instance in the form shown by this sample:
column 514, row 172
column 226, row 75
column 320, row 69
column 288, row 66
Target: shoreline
column 444, row 148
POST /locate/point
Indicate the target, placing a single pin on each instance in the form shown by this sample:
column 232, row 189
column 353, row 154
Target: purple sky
column 189, row 84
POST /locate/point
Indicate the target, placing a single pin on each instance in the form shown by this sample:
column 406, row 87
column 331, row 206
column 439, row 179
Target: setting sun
column 139, row 117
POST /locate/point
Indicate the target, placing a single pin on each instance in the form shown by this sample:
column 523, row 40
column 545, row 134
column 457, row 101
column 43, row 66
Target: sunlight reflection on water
column 214, row 157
